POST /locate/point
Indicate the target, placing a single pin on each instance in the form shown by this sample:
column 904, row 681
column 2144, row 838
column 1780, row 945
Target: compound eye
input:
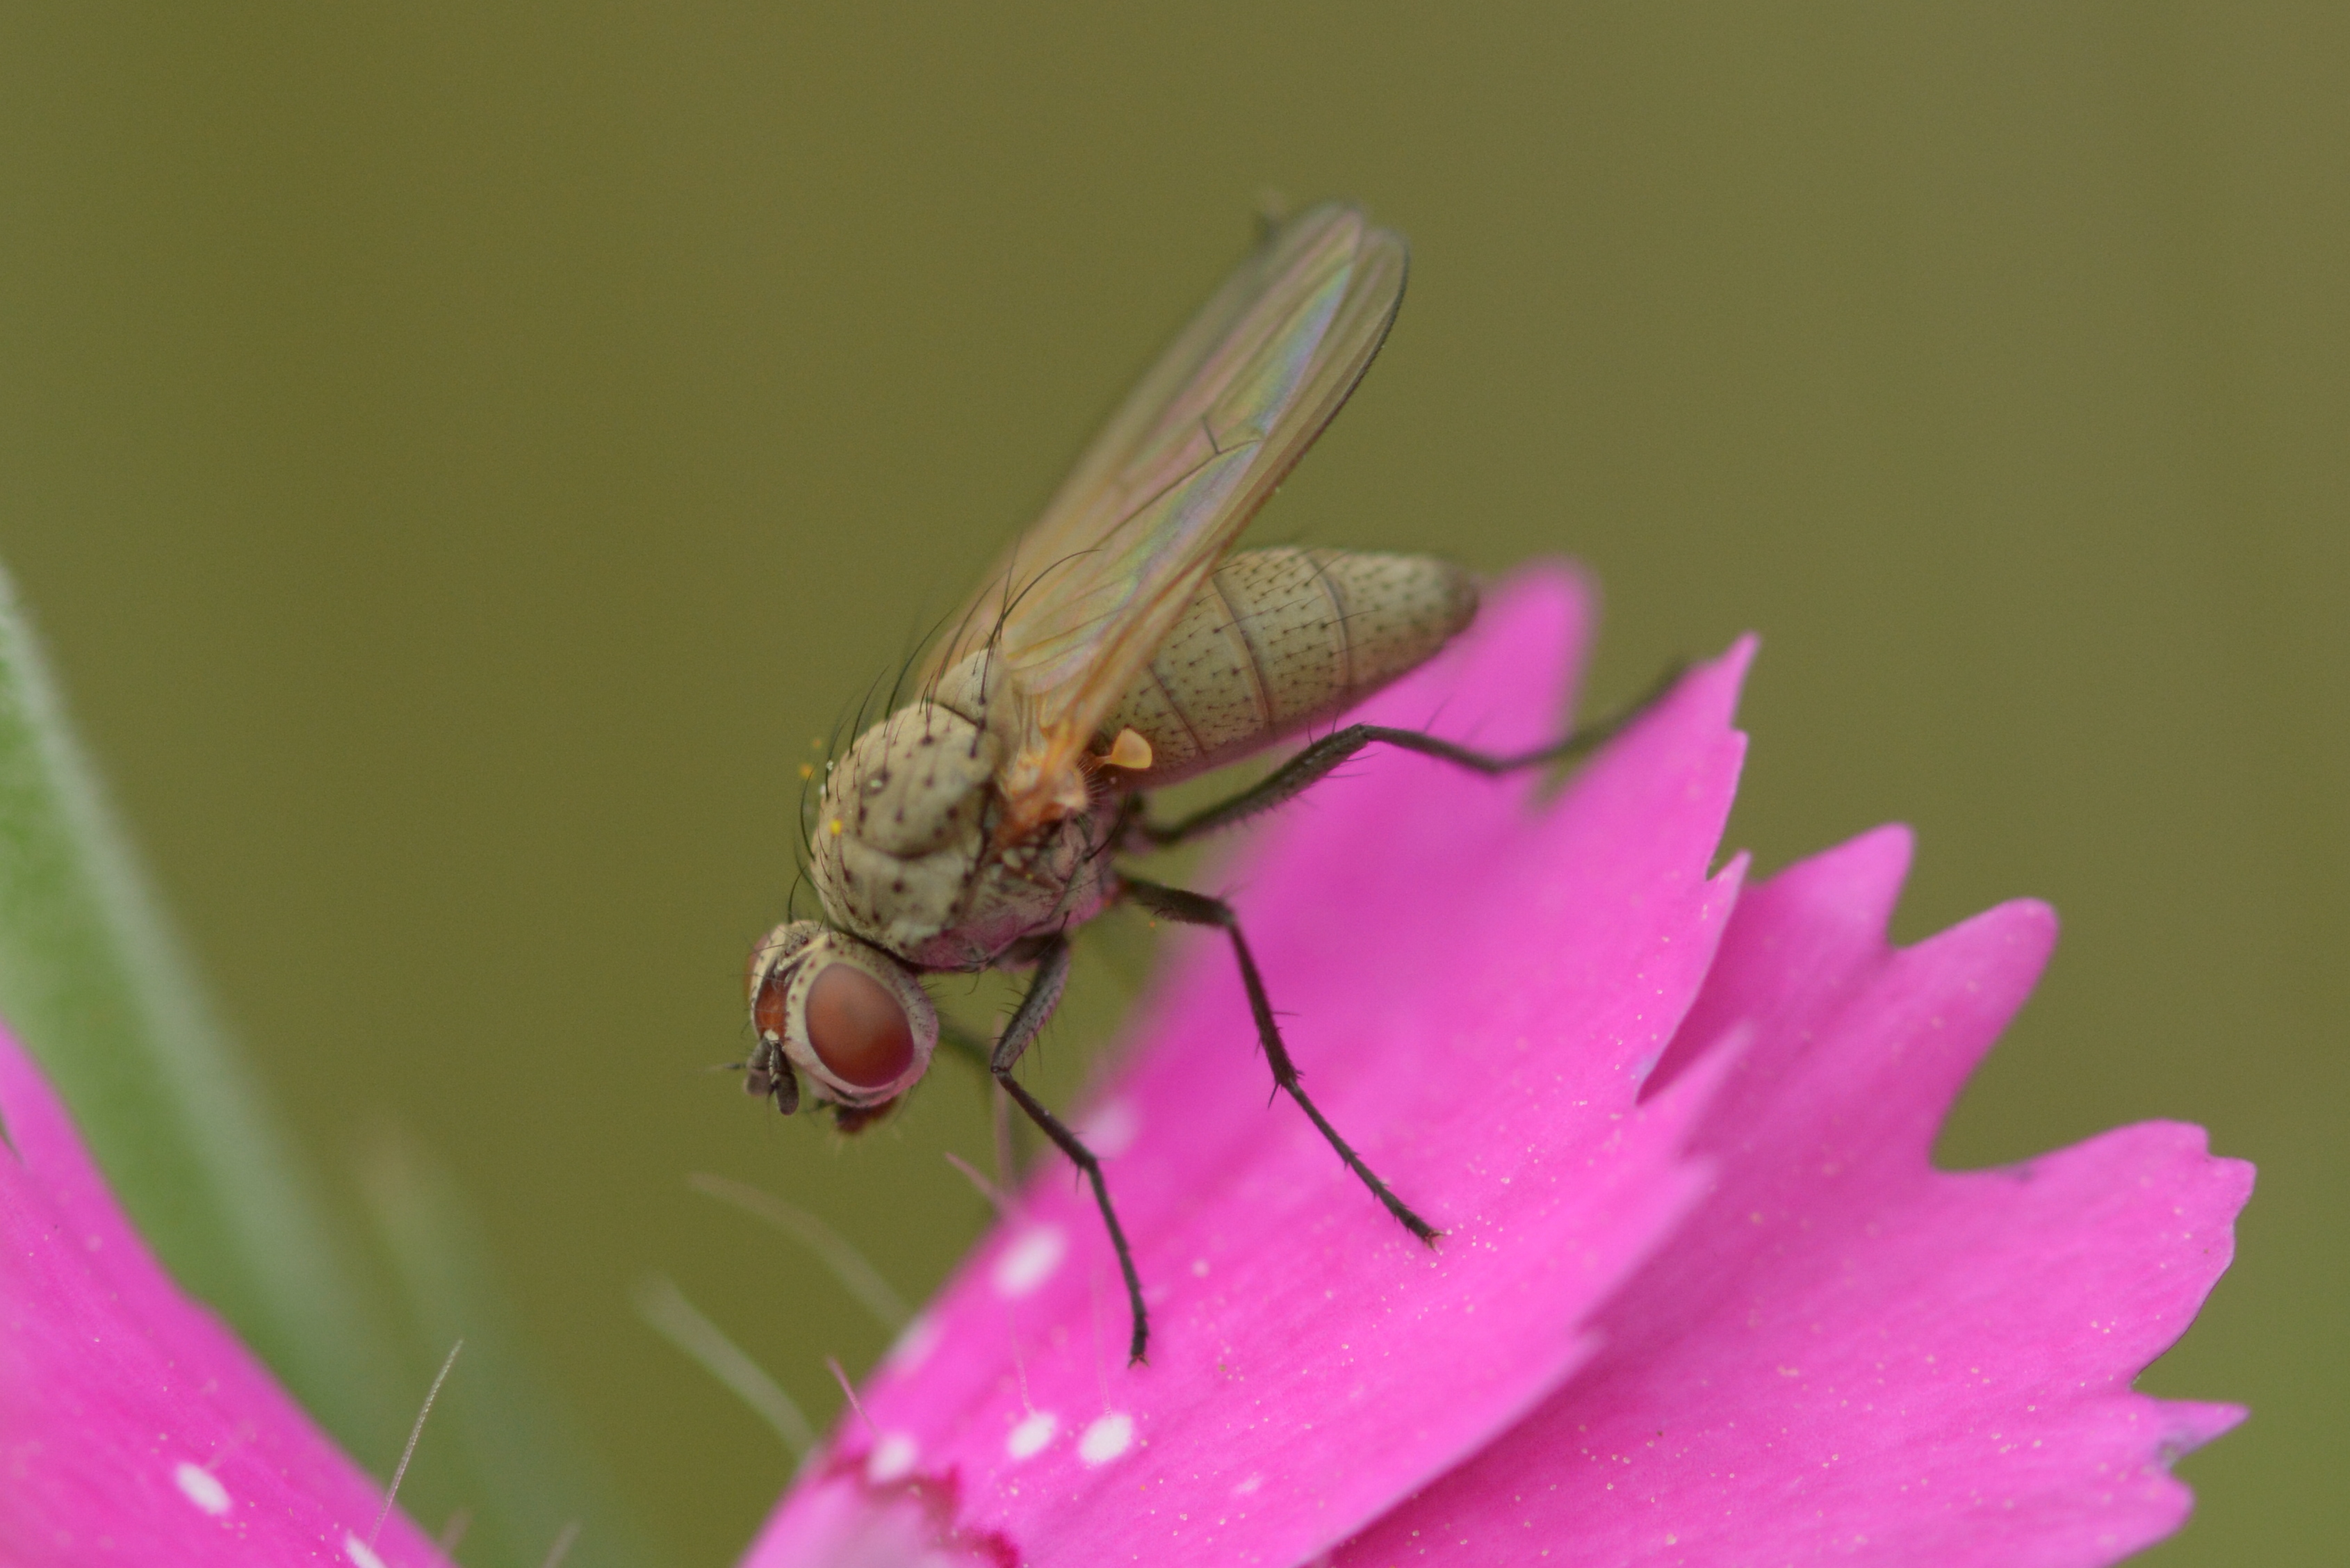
column 858, row 1029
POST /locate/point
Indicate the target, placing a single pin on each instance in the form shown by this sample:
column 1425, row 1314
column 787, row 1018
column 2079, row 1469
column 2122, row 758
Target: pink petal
column 134, row 1427
column 1311, row 1364
column 1843, row 1350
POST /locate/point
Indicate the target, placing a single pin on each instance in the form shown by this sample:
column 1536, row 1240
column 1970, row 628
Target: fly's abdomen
column 1280, row 639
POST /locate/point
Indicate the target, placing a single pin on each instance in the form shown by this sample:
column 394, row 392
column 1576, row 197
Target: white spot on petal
column 1030, row 1261
column 892, row 1458
column 1248, row 1486
column 1028, row 1439
column 1107, row 1439
column 361, row 1554
column 201, row 1487
column 1111, row 1130
column 914, row 1346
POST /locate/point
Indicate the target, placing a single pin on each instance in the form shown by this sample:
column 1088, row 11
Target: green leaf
column 97, row 987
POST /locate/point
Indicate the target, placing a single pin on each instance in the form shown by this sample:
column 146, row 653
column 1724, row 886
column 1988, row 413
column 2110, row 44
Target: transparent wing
column 1085, row 596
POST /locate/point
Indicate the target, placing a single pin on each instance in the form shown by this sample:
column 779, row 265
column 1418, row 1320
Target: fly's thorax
column 1057, row 877
column 966, row 687
column 975, row 686
column 1279, row 639
column 901, row 824
column 848, row 1018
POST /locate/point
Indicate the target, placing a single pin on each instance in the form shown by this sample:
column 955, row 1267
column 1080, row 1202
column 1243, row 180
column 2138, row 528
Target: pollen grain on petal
column 892, row 1458
column 1111, row 1130
column 201, row 1487
column 1030, row 1261
column 1027, row 1439
column 1107, row 1439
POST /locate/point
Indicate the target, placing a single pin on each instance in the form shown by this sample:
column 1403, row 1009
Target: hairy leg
column 1199, row 910
column 1044, row 994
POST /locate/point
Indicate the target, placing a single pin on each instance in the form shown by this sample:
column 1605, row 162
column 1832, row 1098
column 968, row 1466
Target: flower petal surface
column 1475, row 980
column 134, row 1429
column 1845, row 1352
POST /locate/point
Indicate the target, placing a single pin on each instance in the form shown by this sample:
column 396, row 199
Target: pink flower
column 134, row 1429
column 1703, row 1298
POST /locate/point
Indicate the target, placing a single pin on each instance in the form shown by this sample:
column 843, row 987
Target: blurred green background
column 460, row 455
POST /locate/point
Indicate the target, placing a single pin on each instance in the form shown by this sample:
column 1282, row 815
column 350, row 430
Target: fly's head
column 844, row 1016
column 902, row 823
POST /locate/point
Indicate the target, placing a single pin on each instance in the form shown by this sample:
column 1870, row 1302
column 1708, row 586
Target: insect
column 1118, row 646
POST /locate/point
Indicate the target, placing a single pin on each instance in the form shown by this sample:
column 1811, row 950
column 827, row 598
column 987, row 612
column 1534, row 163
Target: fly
column 1121, row 645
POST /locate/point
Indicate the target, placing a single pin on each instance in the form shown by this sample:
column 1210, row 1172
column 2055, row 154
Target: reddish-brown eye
column 858, row 1029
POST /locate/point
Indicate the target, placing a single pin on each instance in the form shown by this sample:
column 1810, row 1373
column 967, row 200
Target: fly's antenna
column 856, row 1275
column 562, row 1547
column 662, row 1306
column 399, row 1471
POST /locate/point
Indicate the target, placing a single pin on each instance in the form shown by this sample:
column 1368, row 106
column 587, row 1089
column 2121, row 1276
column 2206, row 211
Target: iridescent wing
column 1077, row 607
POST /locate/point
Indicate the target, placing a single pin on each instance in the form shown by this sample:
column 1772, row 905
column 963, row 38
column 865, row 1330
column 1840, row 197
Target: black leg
column 1318, row 759
column 1035, row 1007
column 1199, row 910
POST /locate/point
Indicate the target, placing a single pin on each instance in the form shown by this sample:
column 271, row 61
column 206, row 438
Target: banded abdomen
column 1279, row 639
